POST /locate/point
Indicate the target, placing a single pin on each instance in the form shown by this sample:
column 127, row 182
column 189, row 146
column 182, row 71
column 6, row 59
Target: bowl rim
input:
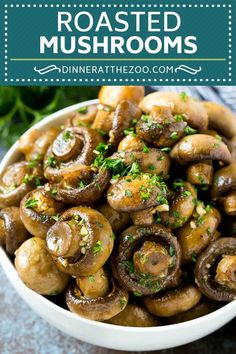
column 5, row 261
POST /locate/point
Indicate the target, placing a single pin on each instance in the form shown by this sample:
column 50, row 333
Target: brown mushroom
column 118, row 220
column 17, row 180
column 83, row 116
column 224, row 180
column 196, row 234
column 221, row 119
column 148, row 160
column 34, row 143
column 37, row 270
column 95, row 285
column 72, row 147
column 136, row 193
column 200, row 173
column 125, row 113
column 81, row 241
column 112, row 95
column 134, row 315
column 103, row 120
column 12, row 231
column 192, row 110
column 130, row 143
column 200, row 147
column 182, row 204
column 39, row 211
column 203, row 307
column 228, row 203
column 173, row 301
column 147, row 259
column 216, row 268
column 81, row 185
column 98, row 309
column 160, row 128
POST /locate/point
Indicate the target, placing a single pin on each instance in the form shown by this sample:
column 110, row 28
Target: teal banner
column 117, row 42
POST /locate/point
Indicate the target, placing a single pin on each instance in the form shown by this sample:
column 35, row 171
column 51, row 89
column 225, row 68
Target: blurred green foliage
column 22, row 107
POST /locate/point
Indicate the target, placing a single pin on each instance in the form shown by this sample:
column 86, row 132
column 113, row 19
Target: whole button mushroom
column 12, row 231
column 192, row 110
column 147, row 259
column 17, row 180
column 81, row 241
column 112, row 95
column 221, row 118
column 37, row 270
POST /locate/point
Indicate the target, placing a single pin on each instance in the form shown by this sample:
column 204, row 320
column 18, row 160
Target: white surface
column 102, row 334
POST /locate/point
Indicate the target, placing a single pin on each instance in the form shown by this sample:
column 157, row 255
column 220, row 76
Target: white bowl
column 102, row 334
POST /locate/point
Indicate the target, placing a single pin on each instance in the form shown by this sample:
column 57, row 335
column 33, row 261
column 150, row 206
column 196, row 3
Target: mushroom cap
column 37, row 270
column 200, row 147
column 112, row 95
column 193, row 110
column 221, row 118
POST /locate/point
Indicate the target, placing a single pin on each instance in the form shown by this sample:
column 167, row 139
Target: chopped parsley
column 190, row 131
column 166, row 149
column 91, row 278
column 98, row 247
column 137, row 293
column 97, row 186
column 174, row 135
column 83, row 110
column 101, row 132
column 66, row 136
column 184, row 96
column 178, row 183
column 151, row 167
column 51, row 161
column 129, row 131
column 53, row 192
column 194, row 257
column 128, row 193
column 82, row 184
column 171, row 251
column 145, row 148
column 31, row 203
column 55, row 217
column 179, row 118
column 186, row 193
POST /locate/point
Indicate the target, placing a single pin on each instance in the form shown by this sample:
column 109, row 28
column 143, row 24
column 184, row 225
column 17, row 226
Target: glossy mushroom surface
column 147, row 259
column 112, row 95
column 100, row 308
column 81, row 241
column 216, row 268
column 12, row 231
column 37, row 270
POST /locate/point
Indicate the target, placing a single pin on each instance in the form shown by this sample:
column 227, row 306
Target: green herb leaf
column 184, row 96
column 98, row 247
column 190, row 131
column 82, row 110
column 31, row 203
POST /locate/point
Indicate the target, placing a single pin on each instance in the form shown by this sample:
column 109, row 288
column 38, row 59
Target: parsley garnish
column 31, row 203
column 190, row 131
column 128, row 193
column 51, row 161
column 145, row 148
column 98, row 247
column 83, row 110
column 66, row 136
column 184, row 96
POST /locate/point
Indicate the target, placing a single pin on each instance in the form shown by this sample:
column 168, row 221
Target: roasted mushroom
column 200, row 147
column 34, row 143
column 200, row 173
column 173, row 302
column 147, row 259
column 94, row 285
column 112, row 95
column 118, row 220
column 125, row 113
column 148, row 160
column 72, row 147
column 228, row 203
column 103, row 120
column 160, row 128
column 134, row 316
column 81, row 241
column 221, row 119
column 84, row 116
column 37, row 270
column 198, row 232
column 132, row 193
column 224, row 180
column 192, row 110
column 39, row 211
column 12, row 231
column 216, row 268
column 100, row 308
column 182, row 204
column 17, row 180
